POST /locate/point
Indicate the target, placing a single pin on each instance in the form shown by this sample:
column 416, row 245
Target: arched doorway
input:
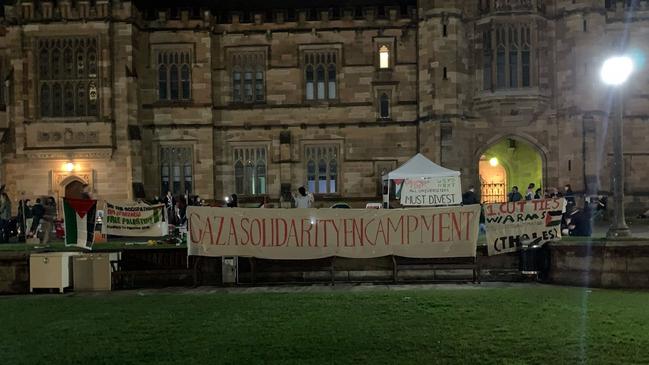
column 509, row 162
column 74, row 189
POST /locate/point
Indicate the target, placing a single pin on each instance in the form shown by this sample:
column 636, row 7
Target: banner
column 510, row 224
column 134, row 219
column 431, row 191
column 318, row 233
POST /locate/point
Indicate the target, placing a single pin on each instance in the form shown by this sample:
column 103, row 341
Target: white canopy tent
column 426, row 172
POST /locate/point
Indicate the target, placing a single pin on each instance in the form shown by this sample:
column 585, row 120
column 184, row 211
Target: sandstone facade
column 434, row 83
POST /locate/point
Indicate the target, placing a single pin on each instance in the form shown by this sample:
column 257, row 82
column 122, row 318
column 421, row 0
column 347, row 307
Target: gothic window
column 174, row 75
column 176, row 170
column 322, row 168
column 511, row 58
column 67, row 77
column 384, row 106
column 248, row 75
column 250, row 170
column 384, row 57
column 320, row 75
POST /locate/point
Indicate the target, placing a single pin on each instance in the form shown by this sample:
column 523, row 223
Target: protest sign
column 510, row 224
column 431, row 191
column 134, row 219
column 317, row 233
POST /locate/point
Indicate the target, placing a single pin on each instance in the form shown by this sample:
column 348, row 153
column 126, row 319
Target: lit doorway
column 507, row 163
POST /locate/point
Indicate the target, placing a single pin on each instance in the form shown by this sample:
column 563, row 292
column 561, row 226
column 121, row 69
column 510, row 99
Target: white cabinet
column 51, row 270
column 92, row 271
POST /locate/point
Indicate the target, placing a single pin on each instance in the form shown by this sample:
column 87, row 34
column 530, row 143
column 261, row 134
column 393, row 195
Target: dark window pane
column 68, row 100
column 162, row 82
column 500, row 68
column 46, row 101
column 384, row 106
column 44, row 64
column 173, row 82
column 309, row 83
column 331, row 79
column 322, row 176
column 247, row 86
column 82, row 99
column 57, row 100
column 525, row 60
column 238, row 177
column 513, row 68
column 320, row 74
column 236, row 86
column 185, row 79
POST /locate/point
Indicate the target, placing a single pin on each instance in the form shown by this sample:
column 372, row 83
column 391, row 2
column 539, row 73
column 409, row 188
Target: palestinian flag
column 553, row 218
column 79, row 216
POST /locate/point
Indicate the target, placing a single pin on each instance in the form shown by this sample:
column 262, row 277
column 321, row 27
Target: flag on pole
column 79, row 215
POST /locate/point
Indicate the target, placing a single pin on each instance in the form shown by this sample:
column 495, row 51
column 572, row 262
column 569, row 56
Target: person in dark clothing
column 233, row 201
column 580, row 223
column 529, row 195
column 170, row 206
column 469, row 197
column 515, row 196
column 24, row 212
column 182, row 210
column 569, row 195
column 38, row 211
column 538, row 194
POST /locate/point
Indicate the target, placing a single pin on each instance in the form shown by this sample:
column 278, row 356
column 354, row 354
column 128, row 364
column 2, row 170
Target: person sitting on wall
column 515, row 196
column 580, row 223
column 233, row 202
column 303, row 199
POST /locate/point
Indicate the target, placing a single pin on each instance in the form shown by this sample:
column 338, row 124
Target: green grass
column 517, row 325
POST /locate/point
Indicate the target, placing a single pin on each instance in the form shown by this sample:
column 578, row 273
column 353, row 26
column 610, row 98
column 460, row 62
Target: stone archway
column 507, row 161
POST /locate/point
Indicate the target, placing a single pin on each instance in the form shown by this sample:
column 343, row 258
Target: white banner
column 432, row 191
column 317, row 233
column 510, row 224
column 134, row 219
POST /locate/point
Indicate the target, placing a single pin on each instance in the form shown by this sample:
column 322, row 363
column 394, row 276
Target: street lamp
column 614, row 73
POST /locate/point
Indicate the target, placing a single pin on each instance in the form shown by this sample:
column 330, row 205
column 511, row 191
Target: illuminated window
column 320, row 75
column 384, row 57
column 176, row 165
column 322, row 168
column 250, row 170
column 248, row 77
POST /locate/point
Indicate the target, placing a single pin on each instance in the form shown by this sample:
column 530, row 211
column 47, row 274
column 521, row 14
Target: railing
column 493, row 193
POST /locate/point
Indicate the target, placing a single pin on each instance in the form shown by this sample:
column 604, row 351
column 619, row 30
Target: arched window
column 56, row 64
column 320, row 75
column 57, row 100
column 68, row 100
column 384, row 106
column 236, row 86
column 82, row 99
column 247, row 86
column 68, row 63
column 322, row 176
column 384, row 57
column 331, row 81
column 46, row 101
column 184, row 80
column 513, row 57
column 309, row 83
column 250, row 170
column 320, row 81
column 176, row 166
column 333, row 175
column 525, row 57
column 487, row 60
column 310, row 175
column 238, row 177
column 173, row 82
column 162, row 82
column 44, row 63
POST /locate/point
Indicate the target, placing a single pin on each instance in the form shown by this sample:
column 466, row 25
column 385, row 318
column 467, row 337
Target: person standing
column 469, row 197
column 515, row 196
column 170, row 207
column 303, row 199
column 569, row 195
column 48, row 219
column 5, row 216
column 529, row 194
column 538, row 194
column 38, row 211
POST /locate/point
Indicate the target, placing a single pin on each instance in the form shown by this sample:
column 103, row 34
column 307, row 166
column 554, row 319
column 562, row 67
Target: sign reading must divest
column 317, row 233
column 510, row 224
column 432, row 191
column 133, row 219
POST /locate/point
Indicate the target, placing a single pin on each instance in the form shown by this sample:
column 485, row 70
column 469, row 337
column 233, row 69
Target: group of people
column 31, row 219
column 532, row 194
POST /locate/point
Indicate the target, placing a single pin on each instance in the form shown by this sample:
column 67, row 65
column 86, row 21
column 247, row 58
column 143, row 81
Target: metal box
column 93, row 271
column 230, row 269
column 50, row 270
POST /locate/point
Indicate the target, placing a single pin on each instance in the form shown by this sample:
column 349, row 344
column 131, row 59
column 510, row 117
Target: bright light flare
column 616, row 70
column 493, row 161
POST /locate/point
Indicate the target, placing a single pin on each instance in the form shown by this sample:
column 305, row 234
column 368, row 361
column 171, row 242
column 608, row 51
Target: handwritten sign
column 317, row 233
column 510, row 224
column 434, row 191
column 134, row 220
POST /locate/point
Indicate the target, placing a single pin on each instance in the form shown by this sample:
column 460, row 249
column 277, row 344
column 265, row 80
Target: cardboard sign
column 318, row 233
column 134, row 220
column 510, row 224
column 433, row 191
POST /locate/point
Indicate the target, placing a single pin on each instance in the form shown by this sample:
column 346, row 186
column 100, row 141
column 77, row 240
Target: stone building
column 260, row 97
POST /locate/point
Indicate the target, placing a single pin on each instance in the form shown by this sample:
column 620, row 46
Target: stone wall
column 14, row 273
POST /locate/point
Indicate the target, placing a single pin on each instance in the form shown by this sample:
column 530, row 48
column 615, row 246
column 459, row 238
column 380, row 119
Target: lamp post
column 614, row 73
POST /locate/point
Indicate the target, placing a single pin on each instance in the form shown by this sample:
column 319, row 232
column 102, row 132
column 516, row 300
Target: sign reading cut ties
column 134, row 219
column 510, row 224
column 431, row 191
column 317, row 233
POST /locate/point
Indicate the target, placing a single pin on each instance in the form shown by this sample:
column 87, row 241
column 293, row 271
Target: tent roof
column 420, row 167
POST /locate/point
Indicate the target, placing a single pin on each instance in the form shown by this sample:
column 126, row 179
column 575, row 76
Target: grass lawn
column 514, row 325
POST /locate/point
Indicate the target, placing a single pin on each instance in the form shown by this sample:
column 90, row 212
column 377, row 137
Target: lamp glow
column 69, row 167
column 616, row 70
column 493, row 161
